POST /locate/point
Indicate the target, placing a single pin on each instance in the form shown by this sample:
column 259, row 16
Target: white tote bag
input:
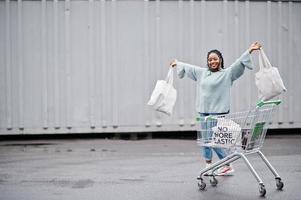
column 268, row 79
column 226, row 133
column 164, row 95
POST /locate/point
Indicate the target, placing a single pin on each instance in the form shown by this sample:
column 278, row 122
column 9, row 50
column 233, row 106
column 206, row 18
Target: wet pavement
column 105, row 169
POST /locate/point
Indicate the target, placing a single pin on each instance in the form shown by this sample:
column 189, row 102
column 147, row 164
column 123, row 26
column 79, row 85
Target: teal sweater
column 213, row 88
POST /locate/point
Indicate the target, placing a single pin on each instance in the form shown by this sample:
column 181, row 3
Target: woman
column 213, row 90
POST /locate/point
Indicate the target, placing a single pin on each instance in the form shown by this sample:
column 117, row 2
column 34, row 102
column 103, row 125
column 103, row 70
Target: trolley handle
column 264, row 103
column 207, row 118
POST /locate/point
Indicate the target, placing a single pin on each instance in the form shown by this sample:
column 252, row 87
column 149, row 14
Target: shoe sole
column 231, row 173
column 224, row 175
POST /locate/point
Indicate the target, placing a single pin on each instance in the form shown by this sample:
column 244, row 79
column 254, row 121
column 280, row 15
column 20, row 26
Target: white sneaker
column 226, row 170
column 208, row 172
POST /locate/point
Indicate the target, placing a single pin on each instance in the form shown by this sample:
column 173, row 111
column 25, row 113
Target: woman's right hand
column 173, row 63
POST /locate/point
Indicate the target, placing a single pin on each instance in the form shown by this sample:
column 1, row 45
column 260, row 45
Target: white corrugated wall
column 90, row 65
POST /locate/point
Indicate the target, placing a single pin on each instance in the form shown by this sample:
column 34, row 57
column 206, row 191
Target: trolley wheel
column 262, row 190
column 213, row 181
column 202, row 185
column 279, row 184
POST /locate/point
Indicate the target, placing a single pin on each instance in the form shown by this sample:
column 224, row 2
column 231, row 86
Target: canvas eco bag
column 267, row 79
column 226, row 133
column 164, row 95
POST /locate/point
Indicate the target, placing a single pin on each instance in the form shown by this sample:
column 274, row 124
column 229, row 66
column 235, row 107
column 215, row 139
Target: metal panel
column 90, row 65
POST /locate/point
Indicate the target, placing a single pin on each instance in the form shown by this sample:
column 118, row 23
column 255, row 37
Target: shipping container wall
column 82, row 66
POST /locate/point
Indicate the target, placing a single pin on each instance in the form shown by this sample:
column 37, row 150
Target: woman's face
column 214, row 61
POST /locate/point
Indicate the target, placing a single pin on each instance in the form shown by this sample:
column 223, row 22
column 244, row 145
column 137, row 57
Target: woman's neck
column 214, row 70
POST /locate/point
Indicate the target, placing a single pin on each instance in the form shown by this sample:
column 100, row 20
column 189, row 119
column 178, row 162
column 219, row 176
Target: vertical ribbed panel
column 68, row 75
column 44, row 74
column 192, row 35
column 157, row 51
column 180, row 47
column 146, row 61
column 249, row 91
column 293, row 113
column 104, row 66
column 91, row 60
column 235, row 48
column 114, row 72
column 225, row 25
column 20, row 66
column 268, row 36
column 279, row 49
column 203, row 27
column 8, row 87
column 90, row 66
column 56, row 72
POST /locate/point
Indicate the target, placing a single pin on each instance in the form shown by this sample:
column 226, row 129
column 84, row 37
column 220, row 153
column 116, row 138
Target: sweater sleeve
column 238, row 67
column 192, row 71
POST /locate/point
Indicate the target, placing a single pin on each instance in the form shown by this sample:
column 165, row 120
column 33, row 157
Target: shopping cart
column 240, row 134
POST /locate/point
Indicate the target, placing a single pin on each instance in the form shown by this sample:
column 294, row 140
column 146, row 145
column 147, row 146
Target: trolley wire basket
column 239, row 133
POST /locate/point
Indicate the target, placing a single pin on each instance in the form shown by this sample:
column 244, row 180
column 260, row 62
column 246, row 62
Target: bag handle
column 169, row 77
column 264, row 62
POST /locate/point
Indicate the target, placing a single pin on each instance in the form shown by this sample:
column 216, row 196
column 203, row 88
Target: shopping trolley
column 240, row 134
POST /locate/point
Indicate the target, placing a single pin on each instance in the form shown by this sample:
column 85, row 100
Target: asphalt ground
column 163, row 169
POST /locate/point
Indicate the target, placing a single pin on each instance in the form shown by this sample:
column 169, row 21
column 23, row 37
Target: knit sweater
column 213, row 88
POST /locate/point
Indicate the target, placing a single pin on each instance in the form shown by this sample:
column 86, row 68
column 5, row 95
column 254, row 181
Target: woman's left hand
column 254, row 46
